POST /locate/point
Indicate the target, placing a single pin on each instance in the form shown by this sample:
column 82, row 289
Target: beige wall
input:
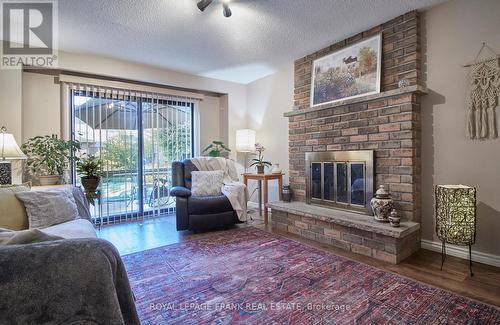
column 453, row 34
column 210, row 117
column 10, row 101
column 10, row 110
column 29, row 103
column 236, row 106
column 268, row 99
column 41, row 106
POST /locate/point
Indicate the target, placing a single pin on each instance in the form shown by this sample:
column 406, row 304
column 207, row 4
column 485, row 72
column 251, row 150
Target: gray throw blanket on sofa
column 72, row 281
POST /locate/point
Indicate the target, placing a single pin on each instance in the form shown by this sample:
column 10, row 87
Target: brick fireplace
column 387, row 123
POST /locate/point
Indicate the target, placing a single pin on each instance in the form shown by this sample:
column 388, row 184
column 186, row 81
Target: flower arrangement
column 259, row 162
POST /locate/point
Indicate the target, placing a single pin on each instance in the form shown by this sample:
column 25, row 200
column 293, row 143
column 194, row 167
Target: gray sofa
column 198, row 213
column 79, row 279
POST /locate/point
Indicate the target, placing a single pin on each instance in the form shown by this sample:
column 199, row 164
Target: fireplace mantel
column 385, row 94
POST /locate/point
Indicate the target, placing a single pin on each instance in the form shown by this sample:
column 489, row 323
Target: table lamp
column 245, row 142
column 9, row 150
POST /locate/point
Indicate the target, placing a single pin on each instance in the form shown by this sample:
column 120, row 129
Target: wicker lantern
column 455, row 217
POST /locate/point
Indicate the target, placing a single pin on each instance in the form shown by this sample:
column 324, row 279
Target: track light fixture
column 203, row 4
column 226, row 10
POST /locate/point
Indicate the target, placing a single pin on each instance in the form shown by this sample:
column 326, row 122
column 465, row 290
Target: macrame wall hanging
column 483, row 96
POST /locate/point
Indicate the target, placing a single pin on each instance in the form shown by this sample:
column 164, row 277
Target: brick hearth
column 350, row 231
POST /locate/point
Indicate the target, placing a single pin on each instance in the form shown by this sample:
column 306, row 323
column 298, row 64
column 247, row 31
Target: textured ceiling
column 257, row 40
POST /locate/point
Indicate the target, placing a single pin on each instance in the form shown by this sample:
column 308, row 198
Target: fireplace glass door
column 357, row 184
column 316, row 179
column 340, row 179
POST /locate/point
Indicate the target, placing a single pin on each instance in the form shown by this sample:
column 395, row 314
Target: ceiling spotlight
column 203, row 4
column 226, row 10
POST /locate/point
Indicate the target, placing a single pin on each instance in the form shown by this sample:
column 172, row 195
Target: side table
column 264, row 178
column 94, row 199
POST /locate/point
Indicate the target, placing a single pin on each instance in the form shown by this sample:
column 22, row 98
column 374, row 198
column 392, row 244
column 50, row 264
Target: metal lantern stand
column 455, row 213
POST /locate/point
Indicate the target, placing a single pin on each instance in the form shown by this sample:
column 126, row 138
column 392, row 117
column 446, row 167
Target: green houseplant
column 90, row 171
column 49, row 156
column 259, row 162
column 217, row 149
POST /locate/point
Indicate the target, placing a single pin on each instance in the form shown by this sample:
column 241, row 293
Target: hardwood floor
column 423, row 266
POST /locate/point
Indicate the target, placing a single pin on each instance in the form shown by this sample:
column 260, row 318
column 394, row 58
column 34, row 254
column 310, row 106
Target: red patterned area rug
column 249, row 276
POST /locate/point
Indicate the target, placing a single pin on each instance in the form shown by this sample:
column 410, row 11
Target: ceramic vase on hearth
column 394, row 218
column 382, row 205
column 286, row 193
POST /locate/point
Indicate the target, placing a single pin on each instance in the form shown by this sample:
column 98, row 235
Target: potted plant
column 259, row 162
column 90, row 171
column 217, row 149
column 49, row 156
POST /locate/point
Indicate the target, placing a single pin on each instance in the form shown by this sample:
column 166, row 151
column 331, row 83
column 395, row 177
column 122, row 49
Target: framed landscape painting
column 350, row 72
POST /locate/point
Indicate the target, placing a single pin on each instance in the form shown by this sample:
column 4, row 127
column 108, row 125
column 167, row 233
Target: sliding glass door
column 137, row 136
column 167, row 135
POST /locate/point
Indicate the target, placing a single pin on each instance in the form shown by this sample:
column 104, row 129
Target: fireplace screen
column 342, row 179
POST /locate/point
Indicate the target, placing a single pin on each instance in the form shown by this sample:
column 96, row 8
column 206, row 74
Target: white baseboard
column 461, row 252
column 255, row 205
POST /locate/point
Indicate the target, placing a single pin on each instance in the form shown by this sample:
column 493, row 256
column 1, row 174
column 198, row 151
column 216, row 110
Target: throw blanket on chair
column 235, row 191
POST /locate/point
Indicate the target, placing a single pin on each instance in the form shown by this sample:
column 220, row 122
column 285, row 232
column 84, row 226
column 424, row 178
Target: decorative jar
column 286, row 193
column 382, row 205
column 394, row 218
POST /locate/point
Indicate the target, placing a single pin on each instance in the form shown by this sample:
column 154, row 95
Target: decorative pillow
column 12, row 213
column 49, row 207
column 206, row 183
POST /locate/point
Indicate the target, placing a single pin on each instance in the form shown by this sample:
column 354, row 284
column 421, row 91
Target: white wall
column 453, row 34
column 267, row 99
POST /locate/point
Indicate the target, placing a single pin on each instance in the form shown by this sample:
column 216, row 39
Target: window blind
column 136, row 133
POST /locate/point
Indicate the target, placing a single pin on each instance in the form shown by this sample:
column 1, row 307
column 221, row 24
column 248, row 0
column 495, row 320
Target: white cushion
column 206, row 183
column 79, row 228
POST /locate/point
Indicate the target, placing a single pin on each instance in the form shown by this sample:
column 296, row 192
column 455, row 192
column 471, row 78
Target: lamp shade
column 455, row 214
column 9, row 150
column 245, row 140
